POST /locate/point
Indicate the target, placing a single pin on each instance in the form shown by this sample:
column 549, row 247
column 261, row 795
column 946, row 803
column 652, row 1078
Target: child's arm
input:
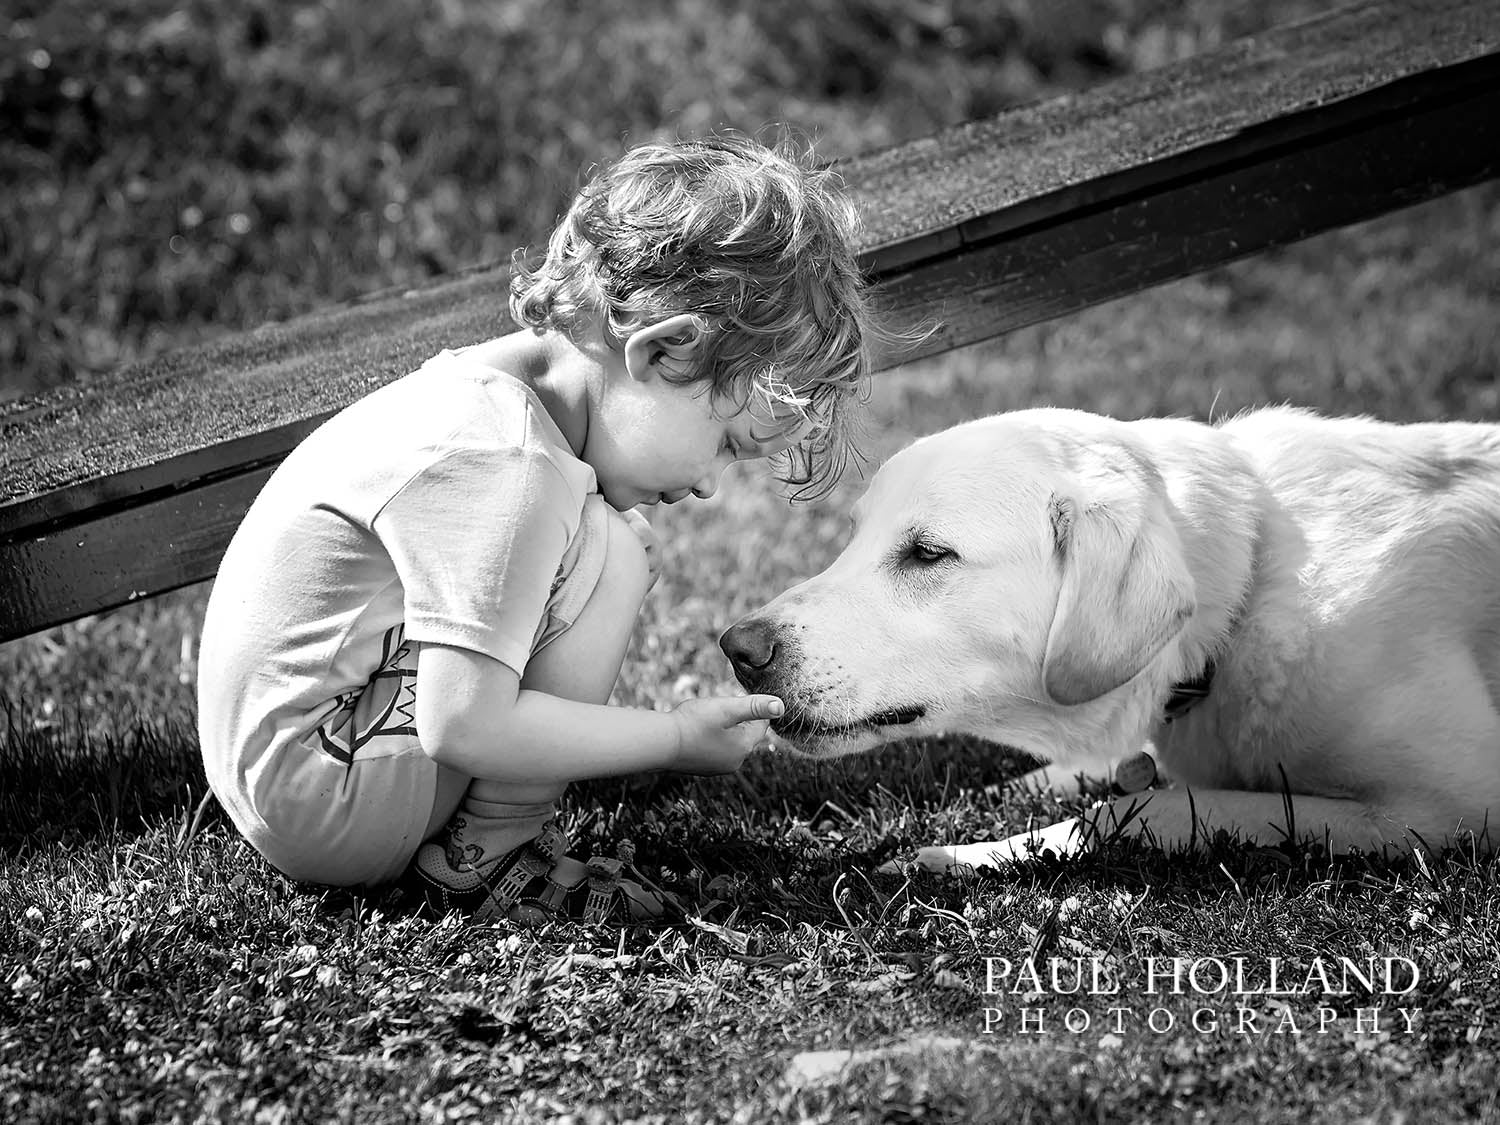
column 473, row 717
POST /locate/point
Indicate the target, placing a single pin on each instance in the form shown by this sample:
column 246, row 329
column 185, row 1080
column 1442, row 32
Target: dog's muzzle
column 764, row 660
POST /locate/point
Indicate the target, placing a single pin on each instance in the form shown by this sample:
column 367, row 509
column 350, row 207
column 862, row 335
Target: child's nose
column 710, row 482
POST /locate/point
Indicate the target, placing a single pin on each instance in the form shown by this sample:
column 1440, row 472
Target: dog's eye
column 923, row 552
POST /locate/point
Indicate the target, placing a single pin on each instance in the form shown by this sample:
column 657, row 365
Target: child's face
column 651, row 441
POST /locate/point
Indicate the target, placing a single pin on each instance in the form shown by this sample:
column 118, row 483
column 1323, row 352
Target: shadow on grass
column 59, row 780
column 802, row 828
column 857, row 799
column 790, row 827
column 921, row 773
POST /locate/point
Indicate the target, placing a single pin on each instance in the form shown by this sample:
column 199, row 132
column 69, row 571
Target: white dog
column 1290, row 612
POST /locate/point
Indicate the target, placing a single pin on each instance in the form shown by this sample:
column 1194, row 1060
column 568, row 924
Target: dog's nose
column 750, row 645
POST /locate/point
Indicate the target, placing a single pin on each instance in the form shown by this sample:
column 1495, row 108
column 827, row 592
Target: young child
column 413, row 634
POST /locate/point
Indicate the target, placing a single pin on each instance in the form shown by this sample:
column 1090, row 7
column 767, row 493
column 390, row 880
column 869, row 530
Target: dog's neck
column 1217, row 502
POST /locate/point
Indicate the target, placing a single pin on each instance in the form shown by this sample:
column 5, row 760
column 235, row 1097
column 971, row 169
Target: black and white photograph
column 762, row 561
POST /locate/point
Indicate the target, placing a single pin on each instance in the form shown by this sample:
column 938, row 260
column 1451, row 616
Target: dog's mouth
column 798, row 726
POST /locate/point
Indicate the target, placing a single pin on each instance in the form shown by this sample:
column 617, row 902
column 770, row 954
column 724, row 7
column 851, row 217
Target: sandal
column 536, row 883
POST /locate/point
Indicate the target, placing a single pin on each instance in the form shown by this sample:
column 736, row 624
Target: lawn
column 152, row 968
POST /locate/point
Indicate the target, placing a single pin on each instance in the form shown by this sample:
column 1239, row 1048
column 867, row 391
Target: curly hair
column 757, row 242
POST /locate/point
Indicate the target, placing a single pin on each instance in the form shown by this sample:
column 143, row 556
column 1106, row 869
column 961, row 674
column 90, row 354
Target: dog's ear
column 1126, row 590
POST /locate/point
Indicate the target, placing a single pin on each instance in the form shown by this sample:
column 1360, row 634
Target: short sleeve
column 476, row 538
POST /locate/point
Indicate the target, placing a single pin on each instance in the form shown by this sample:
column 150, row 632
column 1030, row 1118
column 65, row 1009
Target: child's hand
column 647, row 535
column 715, row 735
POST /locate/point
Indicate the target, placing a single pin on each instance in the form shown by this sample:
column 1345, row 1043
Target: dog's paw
column 942, row 859
column 1062, row 839
column 953, row 859
column 1065, row 838
column 937, row 860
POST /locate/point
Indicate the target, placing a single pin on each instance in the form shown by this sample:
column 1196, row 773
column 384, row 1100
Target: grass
column 154, row 973
column 152, row 968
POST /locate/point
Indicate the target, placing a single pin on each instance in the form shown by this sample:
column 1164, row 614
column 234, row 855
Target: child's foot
column 535, row 883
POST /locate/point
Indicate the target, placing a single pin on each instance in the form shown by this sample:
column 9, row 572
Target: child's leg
column 582, row 661
column 580, row 649
column 578, row 661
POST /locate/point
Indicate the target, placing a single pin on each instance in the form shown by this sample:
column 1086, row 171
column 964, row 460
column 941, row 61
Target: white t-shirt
column 443, row 502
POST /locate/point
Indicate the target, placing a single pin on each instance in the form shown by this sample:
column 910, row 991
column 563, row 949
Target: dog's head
column 998, row 575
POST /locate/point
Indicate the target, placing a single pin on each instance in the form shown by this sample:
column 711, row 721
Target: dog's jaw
column 812, row 737
column 822, row 747
column 1087, row 737
column 840, row 743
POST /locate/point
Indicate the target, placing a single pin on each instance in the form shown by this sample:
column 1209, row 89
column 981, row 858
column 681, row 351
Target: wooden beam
column 1210, row 213
column 121, row 555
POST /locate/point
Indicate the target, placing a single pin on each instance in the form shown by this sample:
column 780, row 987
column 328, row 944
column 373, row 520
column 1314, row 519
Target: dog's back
column 1367, row 660
column 1399, row 519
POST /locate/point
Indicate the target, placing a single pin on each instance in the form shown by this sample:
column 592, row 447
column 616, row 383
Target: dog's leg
column 1063, row 838
column 1181, row 818
column 1059, row 780
column 1129, row 774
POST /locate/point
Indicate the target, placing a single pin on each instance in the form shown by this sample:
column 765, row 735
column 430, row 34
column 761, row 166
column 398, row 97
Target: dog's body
column 1044, row 578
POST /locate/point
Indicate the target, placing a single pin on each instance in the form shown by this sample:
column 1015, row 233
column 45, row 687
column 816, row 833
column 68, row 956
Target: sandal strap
column 604, row 888
column 533, row 861
column 527, row 882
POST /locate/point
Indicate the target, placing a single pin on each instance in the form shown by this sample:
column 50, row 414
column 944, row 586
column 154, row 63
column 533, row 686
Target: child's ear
column 668, row 343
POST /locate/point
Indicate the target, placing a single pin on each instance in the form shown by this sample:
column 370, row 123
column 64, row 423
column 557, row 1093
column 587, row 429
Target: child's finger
column 761, row 707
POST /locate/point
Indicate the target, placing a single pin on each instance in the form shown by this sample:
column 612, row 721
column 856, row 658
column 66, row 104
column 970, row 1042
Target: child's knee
column 628, row 561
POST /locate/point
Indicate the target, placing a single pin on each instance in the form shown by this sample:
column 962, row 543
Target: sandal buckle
column 551, row 844
column 539, row 858
column 604, row 883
